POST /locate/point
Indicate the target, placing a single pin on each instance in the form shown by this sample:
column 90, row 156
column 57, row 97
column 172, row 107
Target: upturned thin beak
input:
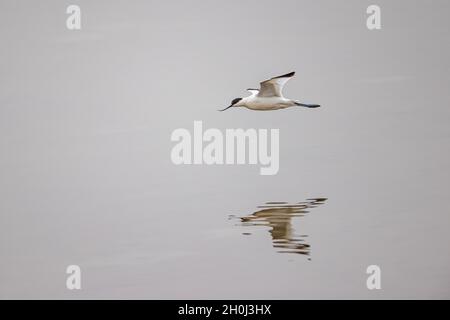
column 225, row 108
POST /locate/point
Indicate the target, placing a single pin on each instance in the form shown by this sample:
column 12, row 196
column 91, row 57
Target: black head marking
column 235, row 100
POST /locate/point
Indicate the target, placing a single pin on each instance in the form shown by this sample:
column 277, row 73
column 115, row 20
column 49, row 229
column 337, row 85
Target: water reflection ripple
column 277, row 216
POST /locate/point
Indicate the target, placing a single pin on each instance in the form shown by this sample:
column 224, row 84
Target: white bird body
column 269, row 96
column 254, row 102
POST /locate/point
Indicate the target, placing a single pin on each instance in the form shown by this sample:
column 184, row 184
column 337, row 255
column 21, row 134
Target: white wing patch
column 254, row 92
column 274, row 86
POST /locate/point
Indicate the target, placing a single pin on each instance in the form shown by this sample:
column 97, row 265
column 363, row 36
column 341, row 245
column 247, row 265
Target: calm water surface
column 86, row 176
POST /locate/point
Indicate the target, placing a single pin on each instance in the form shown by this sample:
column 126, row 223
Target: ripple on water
column 277, row 216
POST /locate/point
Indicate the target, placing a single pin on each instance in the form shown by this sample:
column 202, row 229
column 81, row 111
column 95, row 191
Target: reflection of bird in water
column 277, row 216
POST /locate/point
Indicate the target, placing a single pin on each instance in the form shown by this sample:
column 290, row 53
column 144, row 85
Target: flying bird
column 269, row 96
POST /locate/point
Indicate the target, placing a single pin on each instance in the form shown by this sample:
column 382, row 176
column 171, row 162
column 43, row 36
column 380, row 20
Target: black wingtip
column 287, row 75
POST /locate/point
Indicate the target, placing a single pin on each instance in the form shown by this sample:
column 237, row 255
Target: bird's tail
column 307, row 105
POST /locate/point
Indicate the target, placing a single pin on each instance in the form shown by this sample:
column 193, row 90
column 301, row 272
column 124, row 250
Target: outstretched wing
column 274, row 86
column 254, row 92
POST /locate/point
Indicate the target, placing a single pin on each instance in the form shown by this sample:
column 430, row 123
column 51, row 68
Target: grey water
column 86, row 176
